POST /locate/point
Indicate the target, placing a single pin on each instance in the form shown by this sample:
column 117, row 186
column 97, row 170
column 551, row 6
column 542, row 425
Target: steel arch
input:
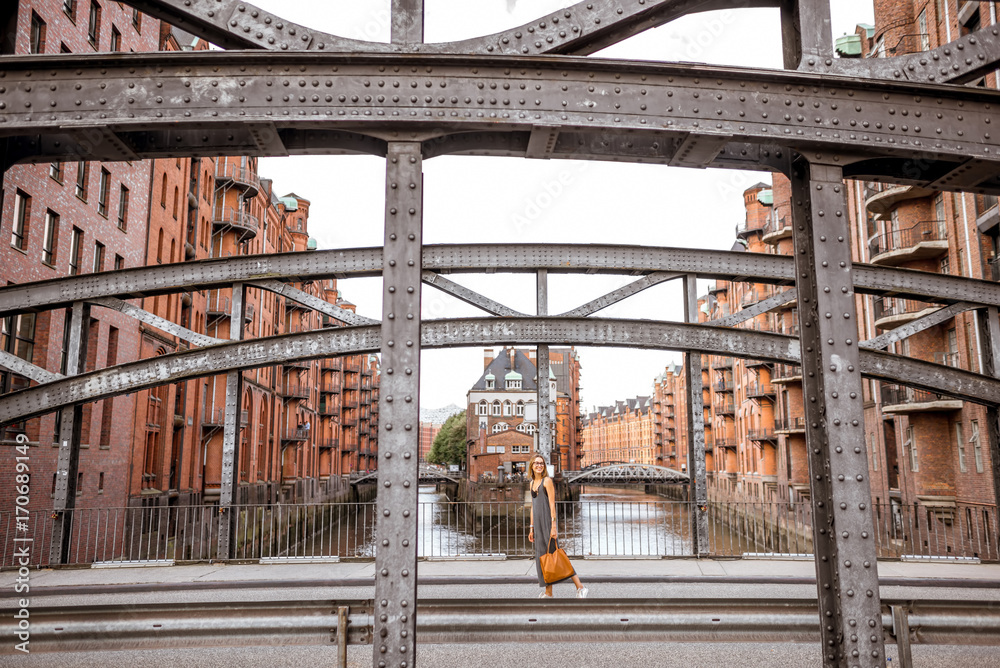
column 627, row 473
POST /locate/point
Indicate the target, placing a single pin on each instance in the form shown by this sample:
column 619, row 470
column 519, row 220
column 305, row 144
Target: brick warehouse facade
column 302, row 423
column 502, row 411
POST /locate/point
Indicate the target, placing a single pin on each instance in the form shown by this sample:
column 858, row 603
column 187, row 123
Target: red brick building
column 301, row 423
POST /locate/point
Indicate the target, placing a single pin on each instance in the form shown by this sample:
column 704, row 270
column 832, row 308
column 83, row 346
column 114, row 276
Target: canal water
column 604, row 522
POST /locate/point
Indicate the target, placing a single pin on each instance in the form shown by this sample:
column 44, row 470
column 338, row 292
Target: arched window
column 529, row 428
column 163, row 192
column 177, row 196
column 496, row 408
column 159, row 246
column 519, row 408
column 483, row 408
column 508, row 408
column 500, row 426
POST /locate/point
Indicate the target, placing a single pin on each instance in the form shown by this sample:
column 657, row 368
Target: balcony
column 328, row 442
column 349, row 446
column 296, row 435
column 893, row 312
column 925, row 240
column 330, row 384
column 718, row 286
column 297, row 364
column 786, row 373
column 760, row 391
column 724, row 386
column 722, row 362
column 746, row 229
column 725, row 443
column 329, row 408
column 762, row 435
column 226, row 218
column 776, row 230
column 216, row 418
column 724, row 408
column 899, row 399
column 795, row 425
column 231, row 173
column 987, row 213
column 880, row 198
column 218, row 305
column 294, row 391
column 331, row 363
column 948, row 359
column 758, row 364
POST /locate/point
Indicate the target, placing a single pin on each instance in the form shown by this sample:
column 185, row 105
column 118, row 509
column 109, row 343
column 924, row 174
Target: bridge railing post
column 77, row 324
column 698, row 486
column 231, row 432
column 843, row 529
column 399, row 412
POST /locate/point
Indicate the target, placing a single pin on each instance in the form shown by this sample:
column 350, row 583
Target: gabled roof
column 501, row 366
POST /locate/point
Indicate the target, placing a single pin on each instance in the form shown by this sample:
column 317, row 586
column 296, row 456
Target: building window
column 56, row 171
column 123, row 208
column 925, row 38
column 960, row 439
column 94, row 23
column 873, row 447
column 911, row 443
column 75, row 251
column 82, row 176
column 489, row 383
column 119, row 262
column 102, row 196
column 496, row 408
column 499, row 427
column 176, row 201
column 22, row 327
column 98, row 257
column 116, row 39
column 482, row 409
column 50, row 238
column 971, row 356
column 22, row 211
column 137, row 20
column 508, row 408
column 37, row 43
column 529, row 428
column 519, row 409
column 977, row 447
column 69, row 6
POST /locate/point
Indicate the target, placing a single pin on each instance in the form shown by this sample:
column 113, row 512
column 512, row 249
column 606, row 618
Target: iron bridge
column 626, row 473
column 280, row 88
column 426, row 475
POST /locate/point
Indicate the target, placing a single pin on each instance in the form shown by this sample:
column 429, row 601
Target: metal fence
column 600, row 529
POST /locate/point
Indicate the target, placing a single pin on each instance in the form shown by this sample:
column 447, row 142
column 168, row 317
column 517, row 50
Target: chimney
column 487, row 358
column 513, row 353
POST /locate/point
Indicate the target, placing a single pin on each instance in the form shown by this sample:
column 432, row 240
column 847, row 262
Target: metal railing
column 896, row 395
column 885, row 307
column 226, row 171
column 926, row 230
column 790, row 424
column 655, row 528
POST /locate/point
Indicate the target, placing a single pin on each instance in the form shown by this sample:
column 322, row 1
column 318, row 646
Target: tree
column 449, row 445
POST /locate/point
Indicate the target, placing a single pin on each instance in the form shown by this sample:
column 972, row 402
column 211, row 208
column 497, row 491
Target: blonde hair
column 531, row 467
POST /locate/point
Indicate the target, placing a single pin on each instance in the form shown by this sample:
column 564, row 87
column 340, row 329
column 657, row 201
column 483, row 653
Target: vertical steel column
column 806, row 32
column 698, row 485
column 989, row 334
column 399, row 411
column 407, row 21
column 544, row 398
column 231, row 431
column 843, row 531
column 64, row 500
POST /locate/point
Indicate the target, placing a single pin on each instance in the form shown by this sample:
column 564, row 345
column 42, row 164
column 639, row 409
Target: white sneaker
column 582, row 592
column 544, row 595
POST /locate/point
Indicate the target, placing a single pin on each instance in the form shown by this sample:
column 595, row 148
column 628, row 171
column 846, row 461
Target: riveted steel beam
column 466, row 295
column 64, row 495
column 698, row 489
column 313, row 302
column 480, row 258
column 920, row 324
column 156, row 321
column 407, row 23
column 961, row 61
column 543, row 396
column 989, row 334
column 399, row 412
column 231, row 430
column 222, row 93
column 200, row 362
column 24, row 368
column 843, row 530
column 751, row 312
column 621, row 293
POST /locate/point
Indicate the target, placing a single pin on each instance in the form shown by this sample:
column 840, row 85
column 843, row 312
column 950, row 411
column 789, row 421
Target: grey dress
column 543, row 530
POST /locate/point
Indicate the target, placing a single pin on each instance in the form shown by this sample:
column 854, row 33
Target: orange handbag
column 555, row 564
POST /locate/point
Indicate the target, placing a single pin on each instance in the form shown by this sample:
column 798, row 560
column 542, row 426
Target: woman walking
column 543, row 517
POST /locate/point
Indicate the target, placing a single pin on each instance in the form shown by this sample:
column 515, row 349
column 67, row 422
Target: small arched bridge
column 427, row 474
column 625, row 473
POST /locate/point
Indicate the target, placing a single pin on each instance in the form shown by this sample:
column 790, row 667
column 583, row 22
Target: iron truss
column 427, row 474
column 285, row 89
column 626, row 473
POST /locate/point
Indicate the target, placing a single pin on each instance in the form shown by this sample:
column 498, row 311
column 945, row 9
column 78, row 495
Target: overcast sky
column 505, row 200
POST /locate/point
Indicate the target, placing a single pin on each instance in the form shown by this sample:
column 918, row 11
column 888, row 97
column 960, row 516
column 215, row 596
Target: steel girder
column 751, row 344
column 211, row 103
column 262, row 270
